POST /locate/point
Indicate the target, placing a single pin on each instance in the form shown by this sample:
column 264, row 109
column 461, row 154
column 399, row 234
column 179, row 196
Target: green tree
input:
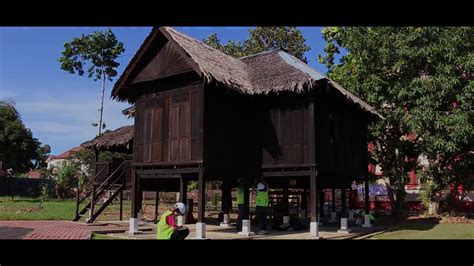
column 43, row 154
column 98, row 50
column 262, row 39
column 421, row 79
column 18, row 147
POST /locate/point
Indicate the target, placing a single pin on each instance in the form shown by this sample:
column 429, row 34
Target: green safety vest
column 261, row 198
column 164, row 230
column 240, row 195
column 372, row 218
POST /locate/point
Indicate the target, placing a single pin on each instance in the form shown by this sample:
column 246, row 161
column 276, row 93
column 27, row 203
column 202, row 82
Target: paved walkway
column 328, row 231
column 54, row 229
column 76, row 230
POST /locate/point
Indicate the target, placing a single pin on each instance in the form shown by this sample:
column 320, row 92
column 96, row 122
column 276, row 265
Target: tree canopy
column 18, row 147
column 421, row 79
column 263, row 39
column 99, row 51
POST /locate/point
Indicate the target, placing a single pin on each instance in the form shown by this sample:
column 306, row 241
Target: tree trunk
column 391, row 196
column 102, row 104
column 433, row 208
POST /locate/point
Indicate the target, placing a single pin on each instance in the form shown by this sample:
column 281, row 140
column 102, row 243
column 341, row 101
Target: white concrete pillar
column 333, row 217
column 344, row 226
column 246, row 230
column 351, row 215
column 200, row 231
column 314, row 230
column 367, row 221
column 180, row 220
column 225, row 220
column 133, row 226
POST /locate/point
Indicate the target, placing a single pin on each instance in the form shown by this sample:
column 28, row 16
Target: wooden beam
column 226, row 197
column 333, row 200
column 121, row 204
column 202, row 195
column 343, row 201
column 246, row 202
column 183, row 190
column 157, row 199
column 168, row 171
column 366, row 194
column 313, row 196
column 322, row 200
column 133, row 207
column 287, row 173
column 161, row 176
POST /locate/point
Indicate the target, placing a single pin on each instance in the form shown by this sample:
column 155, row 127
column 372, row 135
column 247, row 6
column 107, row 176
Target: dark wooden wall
column 341, row 138
column 338, row 145
column 232, row 134
column 168, row 125
column 287, row 131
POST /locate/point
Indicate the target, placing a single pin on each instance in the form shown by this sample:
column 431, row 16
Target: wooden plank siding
column 169, row 125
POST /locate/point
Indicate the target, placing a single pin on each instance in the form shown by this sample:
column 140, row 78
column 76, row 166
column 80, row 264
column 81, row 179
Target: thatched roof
column 119, row 140
column 269, row 72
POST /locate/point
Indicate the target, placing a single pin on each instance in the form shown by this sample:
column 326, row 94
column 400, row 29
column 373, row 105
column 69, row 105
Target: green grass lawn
column 29, row 209
column 102, row 237
column 430, row 231
column 21, row 208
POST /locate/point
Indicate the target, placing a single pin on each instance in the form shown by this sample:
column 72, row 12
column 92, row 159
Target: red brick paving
column 57, row 229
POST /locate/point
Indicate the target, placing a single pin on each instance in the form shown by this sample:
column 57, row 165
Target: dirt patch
column 456, row 220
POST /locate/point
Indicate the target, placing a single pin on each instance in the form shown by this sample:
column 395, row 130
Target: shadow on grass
column 418, row 223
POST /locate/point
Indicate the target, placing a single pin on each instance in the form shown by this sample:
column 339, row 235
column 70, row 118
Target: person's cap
column 241, row 180
column 180, row 207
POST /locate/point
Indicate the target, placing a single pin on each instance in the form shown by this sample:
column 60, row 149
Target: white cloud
column 65, row 122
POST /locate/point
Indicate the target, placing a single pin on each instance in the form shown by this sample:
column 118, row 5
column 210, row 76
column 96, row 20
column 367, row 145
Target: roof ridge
column 196, row 40
column 261, row 53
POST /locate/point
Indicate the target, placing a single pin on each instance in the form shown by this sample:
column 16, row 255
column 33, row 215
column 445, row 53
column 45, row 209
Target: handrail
column 99, row 190
column 105, row 182
column 111, row 175
column 90, row 181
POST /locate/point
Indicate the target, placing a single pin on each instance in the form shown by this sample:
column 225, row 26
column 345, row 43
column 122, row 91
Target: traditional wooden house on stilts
column 203, row 115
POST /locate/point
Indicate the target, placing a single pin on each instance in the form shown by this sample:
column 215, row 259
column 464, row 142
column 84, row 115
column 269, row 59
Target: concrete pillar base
column 367, row 221
column 246, row 229
column 314, row 231
column 347, row 231
column 344, row 226
column 226, row 220
column 200, row 231
column 333, row 217
column 133, row 227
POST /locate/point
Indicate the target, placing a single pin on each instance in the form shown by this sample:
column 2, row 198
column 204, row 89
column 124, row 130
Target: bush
column 65, row 180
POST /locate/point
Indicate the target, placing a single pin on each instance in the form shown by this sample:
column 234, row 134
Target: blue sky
column 59, row 107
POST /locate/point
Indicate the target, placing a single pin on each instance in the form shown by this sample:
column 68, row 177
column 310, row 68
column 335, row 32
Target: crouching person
column 167, row 227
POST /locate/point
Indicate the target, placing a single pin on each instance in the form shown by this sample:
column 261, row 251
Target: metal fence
column 23, row 187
